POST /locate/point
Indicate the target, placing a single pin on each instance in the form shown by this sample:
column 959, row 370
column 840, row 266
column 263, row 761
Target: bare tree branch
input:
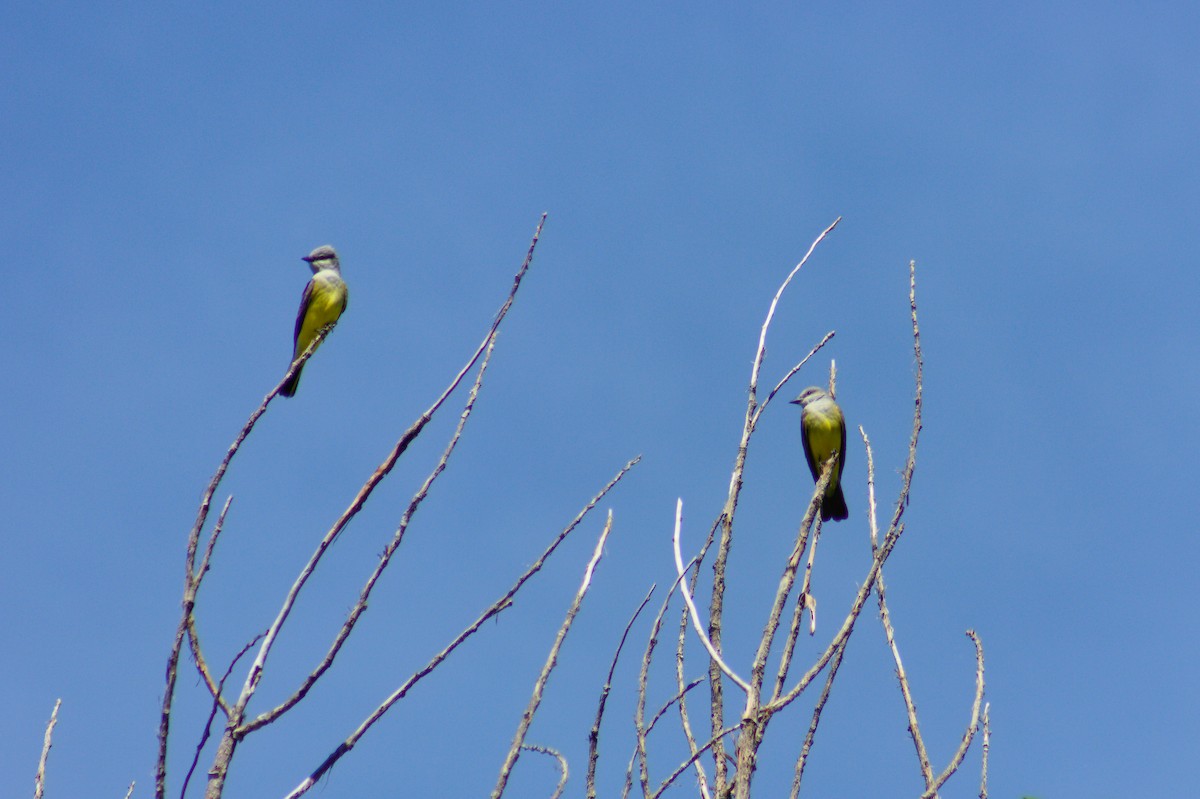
column 192, row 578
column 834, row 664
column 360, row 606
column 790, row 374
column 754, row 717
column 551, row 661
column 684, row 765
column 217, row 704
column 497, row 607
column 562, row 765
column 192, row 636
column 594, row 735
column 687, row 596
column 910, row 707
column 987, row 742
column 641, row 729
column 678, row 697
column 911, row 464
column 681, row 638
column 972, row 728
column 39, row 779
column 810, row 523
column 803, row 601
column 836, row 661
column 885, row 618
column 871, row 507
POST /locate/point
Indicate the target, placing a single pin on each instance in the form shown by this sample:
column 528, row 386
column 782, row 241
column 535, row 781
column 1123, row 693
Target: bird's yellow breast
column 824, row 435
column 325, row 305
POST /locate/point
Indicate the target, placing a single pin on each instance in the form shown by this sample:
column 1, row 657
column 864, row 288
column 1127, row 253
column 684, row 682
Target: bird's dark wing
column 842, row 448
column 304, row 299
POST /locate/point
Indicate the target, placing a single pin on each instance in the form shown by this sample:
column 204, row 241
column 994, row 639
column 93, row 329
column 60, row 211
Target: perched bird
column 323, row 301
column 824, row 429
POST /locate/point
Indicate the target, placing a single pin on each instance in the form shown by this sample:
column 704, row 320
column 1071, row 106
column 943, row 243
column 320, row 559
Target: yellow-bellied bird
column 824, row 429
column 322, row 304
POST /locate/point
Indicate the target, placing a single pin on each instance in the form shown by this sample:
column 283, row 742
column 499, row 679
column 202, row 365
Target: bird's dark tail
column 289, row 389
column 834, row 507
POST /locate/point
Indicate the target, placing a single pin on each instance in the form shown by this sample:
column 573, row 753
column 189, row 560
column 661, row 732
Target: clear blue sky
column 164, row 169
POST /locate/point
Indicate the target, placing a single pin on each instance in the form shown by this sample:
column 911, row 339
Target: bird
column 823, row 429
column 322, row 304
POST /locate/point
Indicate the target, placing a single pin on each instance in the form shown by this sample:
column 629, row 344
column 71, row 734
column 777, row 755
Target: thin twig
column 754, row 718
column 910, row 707
column 836, row 661
column 206, row 559
column 762, row 336
column 682, row 767
column 500, row 605
column 803, row 601
column 639, row 710
column 39, row 779
column 193, row 636
column 834, row 664
column 684, row 722
column 687, row 596
column 808, row 524
column 806, row 598
column 860, row 599
column 562, row 766
column 217, row 703
column 987, row 743
column 678, row 697
column 641, row 729
column 871, row 507
column 790, row 374
column 972, row 727
column 551, row 661
column 594, row 735
column 911, row 464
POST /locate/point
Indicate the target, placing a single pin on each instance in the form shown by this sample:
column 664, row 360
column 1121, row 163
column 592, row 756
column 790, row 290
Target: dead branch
column 496, row 608
column 594, row 735
column 39, row 779
column 551, row 661
column 562, row 766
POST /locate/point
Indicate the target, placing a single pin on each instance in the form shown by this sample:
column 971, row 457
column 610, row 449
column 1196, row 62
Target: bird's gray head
column 324, row 257
column 810, row 394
